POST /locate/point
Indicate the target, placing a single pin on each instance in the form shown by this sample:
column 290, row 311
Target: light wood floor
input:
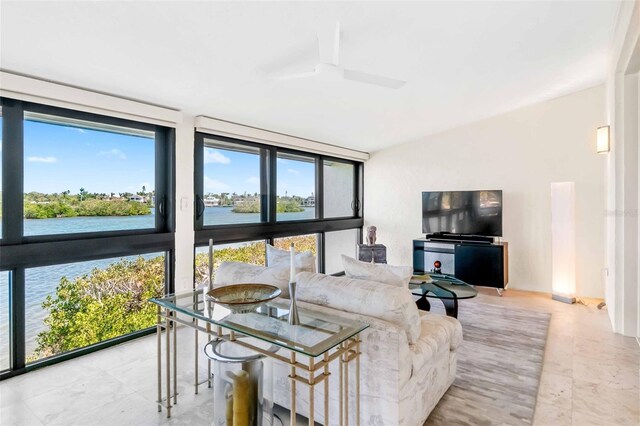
column 590, row 377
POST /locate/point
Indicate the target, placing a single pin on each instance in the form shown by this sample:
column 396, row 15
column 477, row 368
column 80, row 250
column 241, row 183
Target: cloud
column 80, row 130
column 213, row 156
column 213, row 185
column 253, row 180
column 293, row 172
column 114, row 153
column 42, row 159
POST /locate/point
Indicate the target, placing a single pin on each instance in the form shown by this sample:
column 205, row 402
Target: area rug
column 499, row 366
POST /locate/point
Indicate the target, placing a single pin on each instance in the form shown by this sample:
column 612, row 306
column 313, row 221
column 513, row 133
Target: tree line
column 38, row 205
column 114, row 301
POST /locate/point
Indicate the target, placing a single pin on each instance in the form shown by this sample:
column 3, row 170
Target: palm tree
column 82, row 192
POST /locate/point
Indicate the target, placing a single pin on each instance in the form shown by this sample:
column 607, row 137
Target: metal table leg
column 311, row 391
column 159, row 355
column 175, row 360
column 167, row 335
column 293, row 389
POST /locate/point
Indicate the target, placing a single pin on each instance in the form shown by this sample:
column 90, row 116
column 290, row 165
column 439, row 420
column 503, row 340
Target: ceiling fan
column 332, row 70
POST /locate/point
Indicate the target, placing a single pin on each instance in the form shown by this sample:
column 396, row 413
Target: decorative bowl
column 243, row 298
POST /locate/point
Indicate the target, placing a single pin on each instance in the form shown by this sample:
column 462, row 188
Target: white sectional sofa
column 408, row 356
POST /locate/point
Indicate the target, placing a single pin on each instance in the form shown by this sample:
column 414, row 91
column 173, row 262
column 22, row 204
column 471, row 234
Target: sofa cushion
column 305, row 261
column 388, row 274
column 246, row 273
column 438, row 333
column 389, row 303
column 444, row 329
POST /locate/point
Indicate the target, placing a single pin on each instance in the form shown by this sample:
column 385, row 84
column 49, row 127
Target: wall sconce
column 563, row 242
column 603, row 141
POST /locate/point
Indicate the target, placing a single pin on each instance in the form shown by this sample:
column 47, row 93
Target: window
column 301, row 243
column 339, row 184
column 231, row 183
column 83, row 176
column 87, row 235
column 80, row 304
column 303, row 198
column 0, row 174
column 253, row 252
column 336, row 244
column 5, row 347
column 296, row 187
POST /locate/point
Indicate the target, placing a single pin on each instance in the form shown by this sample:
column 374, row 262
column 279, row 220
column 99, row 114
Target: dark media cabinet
column 477, row 263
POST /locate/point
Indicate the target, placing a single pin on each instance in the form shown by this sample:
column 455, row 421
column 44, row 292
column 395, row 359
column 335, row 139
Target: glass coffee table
column 447, row 288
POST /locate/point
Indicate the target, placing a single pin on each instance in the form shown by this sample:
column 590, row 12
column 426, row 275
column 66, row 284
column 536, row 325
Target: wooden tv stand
column 479, row 264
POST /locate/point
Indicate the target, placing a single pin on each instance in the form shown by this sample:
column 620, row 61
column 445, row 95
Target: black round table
column 447, row 288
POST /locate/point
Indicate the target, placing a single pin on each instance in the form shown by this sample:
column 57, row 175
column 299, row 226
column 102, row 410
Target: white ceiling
column 462, row 61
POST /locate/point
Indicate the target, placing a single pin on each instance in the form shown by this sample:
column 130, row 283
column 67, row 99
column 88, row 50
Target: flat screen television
column 462, row 212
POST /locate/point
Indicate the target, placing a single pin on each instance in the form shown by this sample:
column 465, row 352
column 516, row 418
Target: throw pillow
column 305, row 261
column 246, row 273
column 386, row 302
column 398, row 276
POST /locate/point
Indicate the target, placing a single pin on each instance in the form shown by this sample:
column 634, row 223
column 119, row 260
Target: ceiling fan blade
column 336, row 44
column 295, row 76
column 377, row 80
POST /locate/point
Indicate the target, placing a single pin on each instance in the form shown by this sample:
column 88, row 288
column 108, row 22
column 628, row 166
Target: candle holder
column 243, row 385
column 294, row 319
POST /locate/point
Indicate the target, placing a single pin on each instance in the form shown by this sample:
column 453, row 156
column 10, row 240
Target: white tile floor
column 590, row 377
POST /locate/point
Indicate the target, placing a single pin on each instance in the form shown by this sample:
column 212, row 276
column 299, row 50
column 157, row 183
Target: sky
column 239, row 172
column 59, row 158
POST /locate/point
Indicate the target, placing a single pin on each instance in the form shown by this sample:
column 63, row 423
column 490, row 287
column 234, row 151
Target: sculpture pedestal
column 377, row 252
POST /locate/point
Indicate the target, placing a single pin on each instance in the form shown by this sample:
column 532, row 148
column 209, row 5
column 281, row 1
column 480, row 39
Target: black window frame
column 270, row 228
column 358, row 181
column 19, row 252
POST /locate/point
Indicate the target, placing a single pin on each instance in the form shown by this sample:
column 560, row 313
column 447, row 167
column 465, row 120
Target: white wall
column 184, row 204
column 622, row 177
column 520, row 152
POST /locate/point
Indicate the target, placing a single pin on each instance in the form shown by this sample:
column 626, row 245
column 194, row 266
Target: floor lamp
column 563, row 242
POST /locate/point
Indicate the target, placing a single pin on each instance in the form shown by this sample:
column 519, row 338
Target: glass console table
column 447, row 288
column 322, row 338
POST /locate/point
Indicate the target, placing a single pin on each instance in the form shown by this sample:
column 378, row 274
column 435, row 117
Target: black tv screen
column 462, row 212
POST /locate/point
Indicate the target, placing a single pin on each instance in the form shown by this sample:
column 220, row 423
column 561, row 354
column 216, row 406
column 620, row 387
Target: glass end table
column 447, row 288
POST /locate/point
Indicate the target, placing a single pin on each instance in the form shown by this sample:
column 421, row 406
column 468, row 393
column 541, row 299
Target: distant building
column 309, row 201
column 211, row 201
column 137, row 199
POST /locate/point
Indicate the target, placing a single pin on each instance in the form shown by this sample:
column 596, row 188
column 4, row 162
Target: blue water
column 225, row 215
column 87, row 224
column 41, row 282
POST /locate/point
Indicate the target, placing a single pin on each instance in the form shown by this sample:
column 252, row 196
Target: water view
column 42, row 282
column 80, row 177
